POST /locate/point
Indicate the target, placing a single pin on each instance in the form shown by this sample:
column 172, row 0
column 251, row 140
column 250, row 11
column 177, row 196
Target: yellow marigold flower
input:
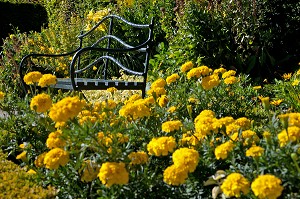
column 41, row 103
column 66, row 109
column 133, row 98
column 204, row 125
column 219, row 70
column 113, row 173
column 171, row 126
column 163, row 101
column 2, row 95
column 22, row 156
column 205, row 113
column 249, row 137
column 243, row 122
column 112, row 90
column 267, row 135
column 89, row 171
column 291, row 135
column 172, row 109
column 232, row 128
column 192, row 140
column 276, row 102
column 186, row 66
column 122, row 138
column 56, row 157
column 230, row 80
column 267, row 186
column 255, row 151
column 228, row 74
column 159, row 83
column 256, row 87
column 198, row 72
column 175, row 175
column 55, row 140
column 139, row 157
column 39, row 161
column 31, row 171
column 210, row 82
column 186, row 158
column 234, row 185
column 287, row 76
column 135, row 110
column 161, row 146
column 224, row 121
column 222, row 151
column 172, row 78
column 32, row 77
column 158, row 91
column 47, row 80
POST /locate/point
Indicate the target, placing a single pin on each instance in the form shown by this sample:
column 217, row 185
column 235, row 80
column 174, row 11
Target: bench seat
column 97, row 84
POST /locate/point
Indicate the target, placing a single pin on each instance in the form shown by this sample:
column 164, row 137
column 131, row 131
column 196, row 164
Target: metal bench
column 95, row 65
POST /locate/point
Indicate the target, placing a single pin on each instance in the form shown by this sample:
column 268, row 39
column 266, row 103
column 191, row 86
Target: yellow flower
column 2, row 95
column 234, row 185
column 256, row 87
column 265, row 102
column 210, row 82
column 112, row 90
column 135, row 110
column 139, row 157
column 175, row 175
column 41, row 103
column 230, row 80
column 198, row 72
column 267, row 186
column 66, row 109
column 39, row 161
column 186, row 66
column 161, row 146
column 287, row 76
column 249, row 137
column 31, row 171
column 113, row 173
column 32, row 77
column 255, row 151
column 89, row 171
column 276, row 102
column 291, row 135
column 172, row 78
column 56, row 157
column 295, row 82
column 228, row 74
column 219, row 70
column 47, row 80
column 222, row 151
column 22, row 156
column 172, row 109
column 243, row 122
column 55, row 140
column 193, row 100
column 186, row 158
column 163, row 101
column 170, row 126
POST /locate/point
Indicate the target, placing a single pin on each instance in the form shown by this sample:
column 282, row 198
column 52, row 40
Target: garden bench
column 95, row 66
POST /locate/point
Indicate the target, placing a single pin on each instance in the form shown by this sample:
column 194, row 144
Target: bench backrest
column 122, row 46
